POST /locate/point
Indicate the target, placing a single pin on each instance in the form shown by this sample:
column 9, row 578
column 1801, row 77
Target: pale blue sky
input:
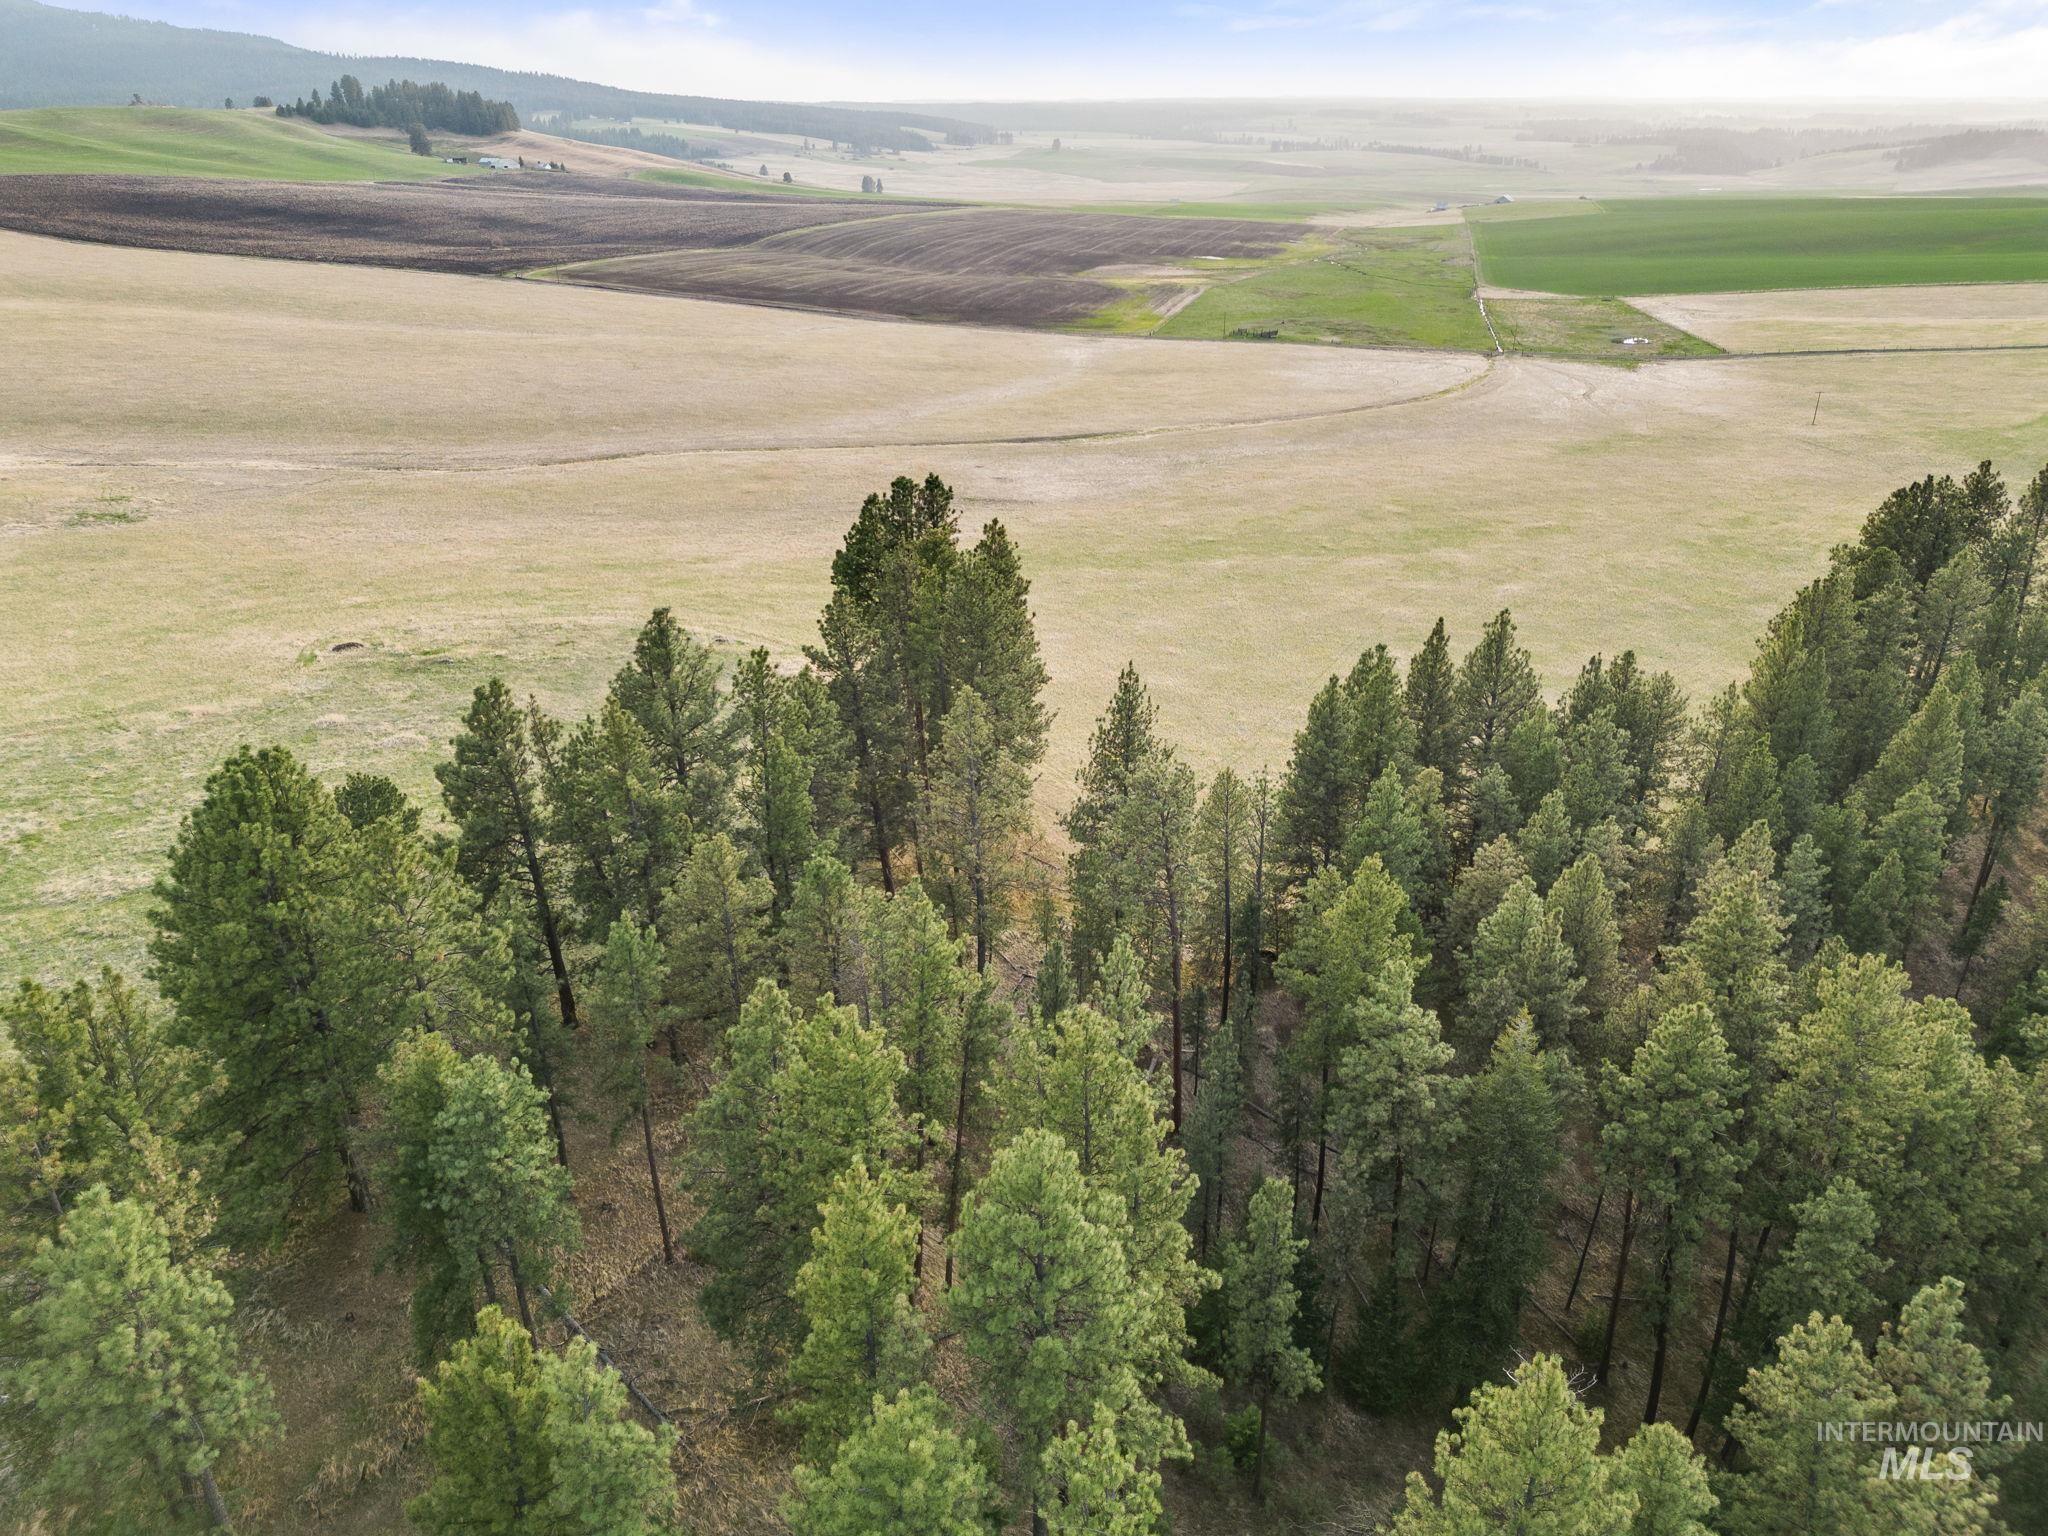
column 926, row 49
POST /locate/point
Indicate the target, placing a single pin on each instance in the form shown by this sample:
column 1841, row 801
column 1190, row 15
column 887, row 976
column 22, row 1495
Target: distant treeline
column 400, row 104
column 674, row 146
column 1973, row 144
column 1711, row 151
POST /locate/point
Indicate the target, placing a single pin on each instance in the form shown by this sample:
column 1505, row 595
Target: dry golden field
column 215, row 470
column 1977, row 315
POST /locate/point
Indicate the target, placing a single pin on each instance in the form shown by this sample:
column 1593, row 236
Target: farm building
column 1503, row 198
column 497, row 163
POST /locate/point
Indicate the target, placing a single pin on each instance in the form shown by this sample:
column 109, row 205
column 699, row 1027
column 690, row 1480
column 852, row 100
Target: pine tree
column 1794, row 1480
column 1938, row 1376
column 826, row 936
column 94, row 1092
column 1582, row 904
column 980, row 812
column 622, row 828
column 1316, row 796
column 1382, row 737
column 671, row 688
column 1123, row 741
column 715, row 921
column 526, row 1442
column 626, row 1017
column 922, row 996
column 128, row 1359
column 803, row 1097
column 1519, row 964
column 1525, row 1459
column 1548, row 840
column 991, row 647
column 1043, row 1302
column 1829, row 1264
column 905, row 1472
column 1153, row 835
column 1070, row 1076
column 1667, row 1141
column 1213, row 1129
column 1222, row 872
column 1657, row 1468
column 1394, row 1110
column 1429, row 697
column 1506, row 1153
column 1350, row 933
column 864, row 1340
column 491, row 787
column 1093, row 1486
column 777, row 771
column 473, row 1180
column 1261, row 1357
column 849, row 656
column 1496, row 687
column 249, row 964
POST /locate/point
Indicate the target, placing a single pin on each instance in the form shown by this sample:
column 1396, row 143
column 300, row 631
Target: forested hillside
column 1627, row 1086
column 65, row 58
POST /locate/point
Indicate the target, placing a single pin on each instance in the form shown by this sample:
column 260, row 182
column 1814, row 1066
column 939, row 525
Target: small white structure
column 1503, row 198
column 497, row 163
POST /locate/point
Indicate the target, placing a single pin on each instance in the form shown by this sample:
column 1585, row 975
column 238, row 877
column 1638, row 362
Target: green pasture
column 180, row 141
column 1716, row 245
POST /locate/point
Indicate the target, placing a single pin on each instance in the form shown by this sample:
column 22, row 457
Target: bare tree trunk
column 1662, row 1354
column 1699, row 1403
column 668, row 1247
column 216, row 1506
column 519, row 1290
column 1628, row 1234
column 1599, row 1201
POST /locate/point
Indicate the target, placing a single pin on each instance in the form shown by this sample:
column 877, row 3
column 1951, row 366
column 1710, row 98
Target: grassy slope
column 179, row 141
column 719, row 181
column 1386, row 287
column 1712, row 245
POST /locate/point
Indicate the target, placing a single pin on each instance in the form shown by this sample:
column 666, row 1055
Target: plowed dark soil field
column 1041, row 242
column 764, row 274
column 498, row 225
column 995, row 266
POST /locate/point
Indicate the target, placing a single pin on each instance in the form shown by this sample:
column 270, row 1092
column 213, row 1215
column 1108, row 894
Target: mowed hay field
column 1715, row 245
column 1977, row 315
column 214, row 471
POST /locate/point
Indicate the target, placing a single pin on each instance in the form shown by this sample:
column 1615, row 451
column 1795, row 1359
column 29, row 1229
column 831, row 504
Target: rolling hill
column 63, row 58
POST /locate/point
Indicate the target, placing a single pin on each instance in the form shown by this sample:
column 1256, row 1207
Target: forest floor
column 215, row 471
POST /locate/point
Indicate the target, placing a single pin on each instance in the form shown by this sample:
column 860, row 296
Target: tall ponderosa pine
column 526, row 1442
column 864, row 1340
column 1524, row 1458
column 1123, row 742
column 94, row 1092
column 1667, row 1140
column 1070, row 1076
column 1260, row 1303
column 980, row 812
column 905, row 1472
column 803, row 1097
column 129, row 1360
column 626, row 1017
column 715, row 923
column 249, row 954
column 492, row 790
column 1044, row 1305
column 474, row 1182
column 671, row 688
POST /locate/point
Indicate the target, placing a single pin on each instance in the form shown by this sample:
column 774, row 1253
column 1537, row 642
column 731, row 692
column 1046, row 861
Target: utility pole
column 1816, row 410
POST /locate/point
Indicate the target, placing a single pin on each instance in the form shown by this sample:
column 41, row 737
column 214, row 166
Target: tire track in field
column 742, row 450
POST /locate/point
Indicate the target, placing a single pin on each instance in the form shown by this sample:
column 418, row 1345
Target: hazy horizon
column 1831, row 53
